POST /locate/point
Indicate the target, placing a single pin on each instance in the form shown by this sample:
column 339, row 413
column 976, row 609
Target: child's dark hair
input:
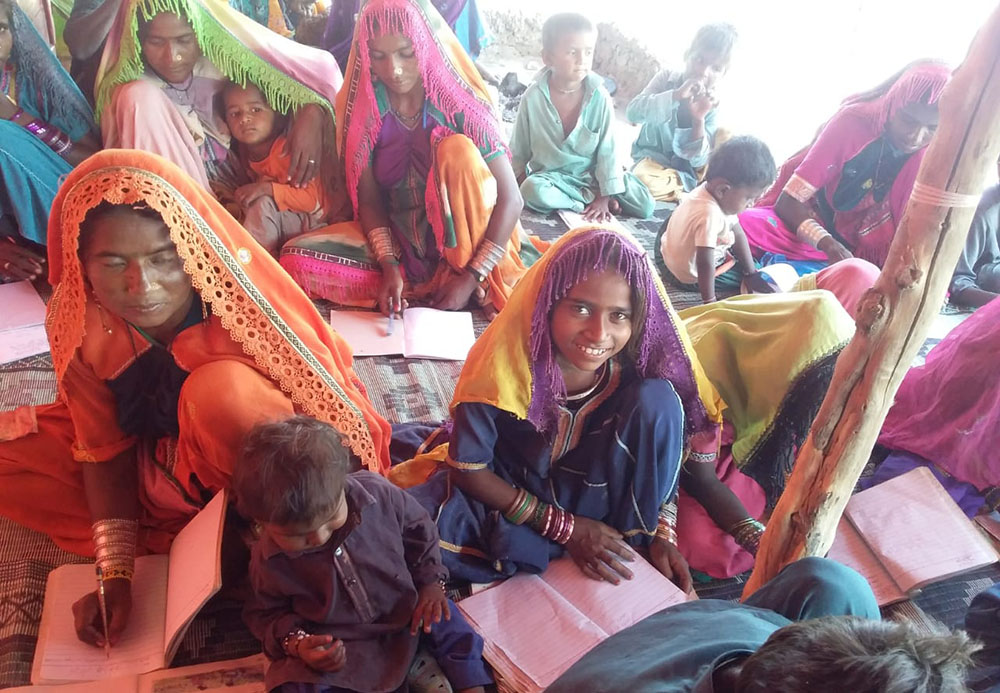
column 290, row 472
column 108, row 209
column 743, row 161
column 714, row 39
column 558, row 25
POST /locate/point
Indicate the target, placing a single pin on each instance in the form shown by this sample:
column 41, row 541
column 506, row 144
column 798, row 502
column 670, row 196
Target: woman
column 947, row 411
column 172, row 334
column 434, row 193
column 158, row 93
column 843, row 196
column 46, row 127
column 770, row 358
column 461, row 15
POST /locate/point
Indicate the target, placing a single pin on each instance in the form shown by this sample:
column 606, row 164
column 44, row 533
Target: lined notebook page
column 195, row 572
column 540, row 633
column 851, row 550
column 917, row 531
column 614, row 607
column 65, row 658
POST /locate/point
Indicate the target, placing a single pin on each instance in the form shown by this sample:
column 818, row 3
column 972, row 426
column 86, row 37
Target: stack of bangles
column 488, row 255
column 666, row 523
column 51, row 136
column 548, row 520
column 747, row 534
column 114, row 547
column 384, row 249
column 812, row 232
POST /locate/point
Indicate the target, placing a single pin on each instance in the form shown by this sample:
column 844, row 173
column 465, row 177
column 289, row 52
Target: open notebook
column 167, row 593
column 230, row 676
column 22, row 323
column 421, row 333
column 906, row 533
column 535, row 627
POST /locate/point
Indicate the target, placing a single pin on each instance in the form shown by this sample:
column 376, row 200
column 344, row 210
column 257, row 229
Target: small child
column 563, row 143
column 274, row 211
column 347, row 570
column 700, row 233
column 677, row 113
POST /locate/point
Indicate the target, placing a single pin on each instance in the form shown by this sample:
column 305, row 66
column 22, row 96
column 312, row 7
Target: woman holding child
column 46, row 127
column 434, row 194
column 162, row 73
column 172, row 334
column 844, row 195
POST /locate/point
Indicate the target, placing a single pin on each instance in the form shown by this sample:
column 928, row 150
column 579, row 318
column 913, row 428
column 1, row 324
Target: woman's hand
column 390, row 291
column 599, row 550
column 432, row 606
column 667, row 558
column 322, row 652
column 87, row 613
column 17, row 263
column 834, row 249
column 455, row 293
column 305, row 145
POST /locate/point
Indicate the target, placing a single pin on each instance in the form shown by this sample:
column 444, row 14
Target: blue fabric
column 678, row 649
column 802, row 267
column 31, row 173
column 982, row 622
column 471, row 29
column 624, row 466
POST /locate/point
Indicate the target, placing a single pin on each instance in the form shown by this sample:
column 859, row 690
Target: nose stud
column 398, row 72
column 178, row 58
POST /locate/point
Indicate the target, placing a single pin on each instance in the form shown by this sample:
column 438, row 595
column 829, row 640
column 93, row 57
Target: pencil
column 104, row 611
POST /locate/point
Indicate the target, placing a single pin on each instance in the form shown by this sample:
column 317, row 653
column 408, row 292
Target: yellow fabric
column 498, row 369
column 664, row 184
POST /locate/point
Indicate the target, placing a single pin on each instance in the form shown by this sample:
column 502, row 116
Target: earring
column 104, row 323
column 204, row 311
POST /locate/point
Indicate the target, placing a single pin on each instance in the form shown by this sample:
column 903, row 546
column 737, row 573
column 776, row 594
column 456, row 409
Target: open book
column 22, row 326
column 167, row 593
column 231, row 676
column 535, row 627
column 906, row 533
column 421, row 333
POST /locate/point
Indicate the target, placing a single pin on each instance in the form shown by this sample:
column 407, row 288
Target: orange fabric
column 310, row 198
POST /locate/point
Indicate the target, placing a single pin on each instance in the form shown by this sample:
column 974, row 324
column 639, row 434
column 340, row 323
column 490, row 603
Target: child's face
column 705, row 66
column 298, row 537
column 572, row 56
column 395, row 63
column 590, row 325
column 736, row 199
column 249, row 117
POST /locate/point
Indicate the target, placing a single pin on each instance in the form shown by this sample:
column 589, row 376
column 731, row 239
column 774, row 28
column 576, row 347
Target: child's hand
column 599, row 210
column 322, row 652
column 692, row 87
column 246, row 195
column 701, row 104
column 432, row 604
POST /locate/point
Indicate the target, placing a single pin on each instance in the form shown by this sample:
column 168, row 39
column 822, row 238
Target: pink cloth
column 848, row 280
column 948, row 410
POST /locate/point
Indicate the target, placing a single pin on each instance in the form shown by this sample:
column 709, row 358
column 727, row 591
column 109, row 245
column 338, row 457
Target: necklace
column 408, row 119
column 598, row 377
column 567, row 91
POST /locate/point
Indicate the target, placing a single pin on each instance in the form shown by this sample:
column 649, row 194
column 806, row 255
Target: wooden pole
column 894, row 316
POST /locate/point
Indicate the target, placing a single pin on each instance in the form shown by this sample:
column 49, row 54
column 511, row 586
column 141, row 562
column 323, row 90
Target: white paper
column 232, row 676
column 22, row 306
column 421, row 333
column 22, row 343
column 366, row 332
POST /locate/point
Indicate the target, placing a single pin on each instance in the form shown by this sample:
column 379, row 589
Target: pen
column 392, row 316
column 104, row 611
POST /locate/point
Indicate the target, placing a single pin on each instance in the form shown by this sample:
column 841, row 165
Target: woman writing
column 161, row 304
column 434, row 193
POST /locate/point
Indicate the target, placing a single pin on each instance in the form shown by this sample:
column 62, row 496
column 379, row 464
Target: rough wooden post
column 895, row 315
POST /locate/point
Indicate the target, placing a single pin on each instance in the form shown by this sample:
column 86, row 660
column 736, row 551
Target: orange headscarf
column 256, row 301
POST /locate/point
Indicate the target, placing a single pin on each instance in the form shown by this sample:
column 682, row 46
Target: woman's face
column 911, row 127
column 6, row 37
column 170, row 47
column 135, row 272
column 592, row 324
column 394, row 63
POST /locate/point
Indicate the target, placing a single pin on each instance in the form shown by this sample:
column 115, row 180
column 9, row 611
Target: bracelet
column 747, row 534
column 382, row 245
column 293, row 637
column 17, row 115
column 488, row 256
column 114, row 547
column 546, row 519
column 812, row 232
column 666, row 523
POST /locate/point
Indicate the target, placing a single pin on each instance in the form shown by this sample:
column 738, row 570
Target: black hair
column 715, row 39
column 744, row 161
column 290, row 472
column 108, row 209
column 558, row 25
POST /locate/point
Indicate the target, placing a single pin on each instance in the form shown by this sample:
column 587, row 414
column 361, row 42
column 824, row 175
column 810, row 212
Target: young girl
column 573, row 416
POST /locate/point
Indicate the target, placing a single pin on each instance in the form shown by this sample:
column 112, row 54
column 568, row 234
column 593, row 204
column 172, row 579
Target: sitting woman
column 428, row 172
column 161, row 304
column 843, row 196
column 160, row 94
column 572, row 417
column 46, row 127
